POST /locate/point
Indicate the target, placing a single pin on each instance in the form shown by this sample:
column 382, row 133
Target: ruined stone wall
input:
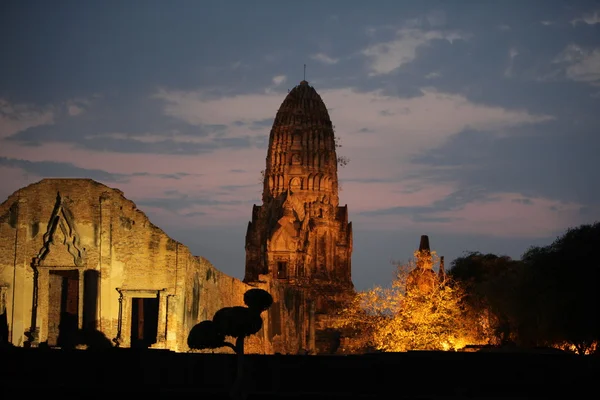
column 286, row 325
column 115, row 258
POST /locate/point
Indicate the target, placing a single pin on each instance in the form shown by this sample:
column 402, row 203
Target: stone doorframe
column 123, row 338
column 43, row 296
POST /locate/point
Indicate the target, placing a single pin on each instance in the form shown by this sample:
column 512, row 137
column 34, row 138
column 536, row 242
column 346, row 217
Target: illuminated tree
column 426, row 321
column 397, row 319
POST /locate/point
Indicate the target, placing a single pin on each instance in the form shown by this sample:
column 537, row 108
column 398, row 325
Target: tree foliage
column 425, row 321
column 548, row 298
column 394, row 319
column 490, row 284
column 560, row 282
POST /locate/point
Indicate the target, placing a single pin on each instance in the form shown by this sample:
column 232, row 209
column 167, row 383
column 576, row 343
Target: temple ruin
column 300, row 235
column 423, row 278
column 80, row 262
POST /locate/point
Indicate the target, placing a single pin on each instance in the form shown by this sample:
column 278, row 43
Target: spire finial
column 304, row 72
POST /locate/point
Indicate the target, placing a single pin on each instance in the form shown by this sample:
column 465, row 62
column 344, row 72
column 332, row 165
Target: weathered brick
column 114, row 255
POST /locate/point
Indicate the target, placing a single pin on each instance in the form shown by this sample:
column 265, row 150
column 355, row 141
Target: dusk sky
column 474, row 122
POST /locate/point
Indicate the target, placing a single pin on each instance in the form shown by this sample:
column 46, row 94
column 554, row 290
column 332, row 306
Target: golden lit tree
column 396, row 319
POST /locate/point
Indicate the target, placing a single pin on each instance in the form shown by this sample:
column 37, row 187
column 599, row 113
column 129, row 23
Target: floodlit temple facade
column 300, row 236
column 77, row 257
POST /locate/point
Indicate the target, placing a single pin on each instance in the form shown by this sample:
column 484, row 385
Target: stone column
column 107, row 301
column 161, row 334
column 43, row 296
column 80, row 276
column 125, row 339
column 311, row 330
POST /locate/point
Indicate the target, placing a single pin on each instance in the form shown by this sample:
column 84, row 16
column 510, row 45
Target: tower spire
column 304, row 73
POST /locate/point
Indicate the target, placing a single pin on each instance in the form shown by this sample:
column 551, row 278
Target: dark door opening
column 90, row 298
column 282, row 270
column 144, row 321
column 63, row 308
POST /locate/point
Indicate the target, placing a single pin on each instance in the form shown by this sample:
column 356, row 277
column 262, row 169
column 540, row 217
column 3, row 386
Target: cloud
column 591, row 18
column 581, row 64
column 324, row 58
column 546, row 23
column 199, row 108
column 16, row 118
column 433, row 75
column 278, row 80
column 524, row 162
column 387, row 56
column 53, row 169
column 74, row 109
column 512, row 53
column 488, row 213
column 356, row 115
column 226, row 119
column 522, row 201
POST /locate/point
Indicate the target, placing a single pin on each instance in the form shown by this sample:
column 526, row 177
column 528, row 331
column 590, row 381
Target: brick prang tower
column 300, row 235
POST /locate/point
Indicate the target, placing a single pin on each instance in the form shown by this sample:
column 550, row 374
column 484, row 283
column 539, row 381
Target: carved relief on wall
column 295, row 183
column 285, row 236
column 61, row 230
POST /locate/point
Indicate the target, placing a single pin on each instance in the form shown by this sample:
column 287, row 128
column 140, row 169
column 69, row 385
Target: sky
column 473, row 122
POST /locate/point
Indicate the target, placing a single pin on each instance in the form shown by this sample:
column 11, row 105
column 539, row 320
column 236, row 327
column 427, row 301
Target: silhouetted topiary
column 258, row 299
column 237, row 322
column 205, row 336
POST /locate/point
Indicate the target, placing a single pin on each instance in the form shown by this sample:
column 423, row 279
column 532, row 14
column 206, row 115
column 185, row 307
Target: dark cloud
column 136, row 146
column 176, row 175
column 260, row 125
column 177, row 201
column 428, row 218
column 369, row 180
column 453, row 202
column 558, row 162
column 51, row 169
column 523, row 201
column 194, row 214
column 231, row 188
column 130, row 124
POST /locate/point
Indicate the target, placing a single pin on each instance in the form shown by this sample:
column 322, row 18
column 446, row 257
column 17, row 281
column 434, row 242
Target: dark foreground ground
column 128, row 373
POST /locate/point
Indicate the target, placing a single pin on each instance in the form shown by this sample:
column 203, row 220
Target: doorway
column 63, row 308
column 144, row 321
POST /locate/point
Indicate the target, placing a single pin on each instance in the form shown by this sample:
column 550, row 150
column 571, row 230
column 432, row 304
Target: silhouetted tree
column 238, row 322
column 561, row 286
column 490, row 283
